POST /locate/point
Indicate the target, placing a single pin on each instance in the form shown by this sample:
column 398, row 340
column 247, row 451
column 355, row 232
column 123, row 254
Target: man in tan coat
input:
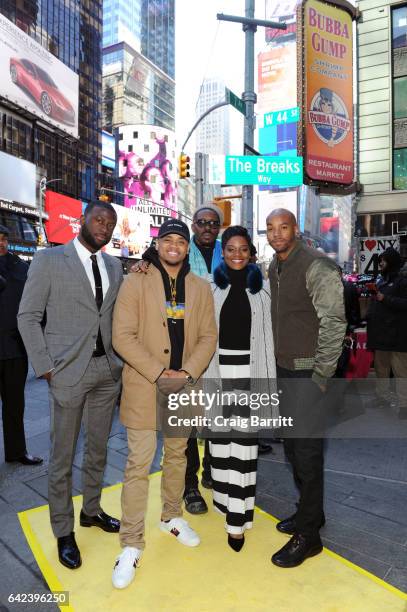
column 164, row 329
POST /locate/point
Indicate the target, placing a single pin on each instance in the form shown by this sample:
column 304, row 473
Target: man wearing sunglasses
column 205, row 252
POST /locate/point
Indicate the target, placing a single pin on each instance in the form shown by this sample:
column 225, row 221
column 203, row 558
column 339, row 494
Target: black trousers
column 305, row 454
column 13, row 374
column 193, row 462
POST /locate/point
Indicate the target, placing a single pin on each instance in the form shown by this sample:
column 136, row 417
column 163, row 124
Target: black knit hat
column 393, row 259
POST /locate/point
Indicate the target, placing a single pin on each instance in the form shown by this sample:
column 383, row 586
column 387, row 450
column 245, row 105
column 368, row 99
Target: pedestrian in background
column 13, row 357
column 76, row 285
column 309, row 324
column 387, row 329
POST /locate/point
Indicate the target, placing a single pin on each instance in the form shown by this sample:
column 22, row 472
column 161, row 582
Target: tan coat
column 140, row 336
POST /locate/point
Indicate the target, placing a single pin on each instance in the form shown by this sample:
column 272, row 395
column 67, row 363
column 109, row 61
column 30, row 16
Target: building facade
column 148, row 26
column 213, row 134
column 70, row 31
column 138, row 63
column 135, row 90
column 382, row 118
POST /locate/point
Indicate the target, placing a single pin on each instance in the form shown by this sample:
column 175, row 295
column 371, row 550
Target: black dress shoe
column 288, row 525
column 68, row 552
column 27, row 459
column 207, row 481
column 102, row 520
column 194, row 502
column 297, row 550
column 236, row 543
column 265, row 448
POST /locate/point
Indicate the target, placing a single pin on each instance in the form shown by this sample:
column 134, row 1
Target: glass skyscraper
column 138, row 63
column 158, row 33
column 70, row 30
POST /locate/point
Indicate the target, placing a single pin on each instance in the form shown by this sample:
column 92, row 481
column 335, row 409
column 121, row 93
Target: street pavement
column 365, row 499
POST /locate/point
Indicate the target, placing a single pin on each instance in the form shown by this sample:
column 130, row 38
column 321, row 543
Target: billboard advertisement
column 108, row 150
column 277, row 80
column 36, row 80
column 63, row 217
column 281, row 10
column 271, row 201
column 327, row 48
column 131, row 236
column 148, row 168
column 17, row 180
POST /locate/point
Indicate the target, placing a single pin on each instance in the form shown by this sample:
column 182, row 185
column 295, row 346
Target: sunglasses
column 204, row 223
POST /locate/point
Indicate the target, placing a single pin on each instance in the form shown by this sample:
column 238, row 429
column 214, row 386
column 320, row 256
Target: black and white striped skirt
column 234, row 459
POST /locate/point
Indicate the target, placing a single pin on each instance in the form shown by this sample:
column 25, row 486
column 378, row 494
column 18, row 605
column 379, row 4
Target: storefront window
column 399, row 44
column 400, row 169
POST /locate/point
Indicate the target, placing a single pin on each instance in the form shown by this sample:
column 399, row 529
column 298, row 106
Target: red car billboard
column 36, row 80
column 63, row 217
column 39, row 85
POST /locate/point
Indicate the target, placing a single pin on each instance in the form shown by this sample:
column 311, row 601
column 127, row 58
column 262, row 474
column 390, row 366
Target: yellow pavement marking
column 210, row 577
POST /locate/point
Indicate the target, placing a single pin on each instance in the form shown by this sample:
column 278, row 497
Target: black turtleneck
column 235, row 315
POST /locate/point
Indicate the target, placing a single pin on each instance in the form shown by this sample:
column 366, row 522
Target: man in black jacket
column 387, row 328
column 13, row 358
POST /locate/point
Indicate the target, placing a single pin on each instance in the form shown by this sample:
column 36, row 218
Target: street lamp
column 43, row 187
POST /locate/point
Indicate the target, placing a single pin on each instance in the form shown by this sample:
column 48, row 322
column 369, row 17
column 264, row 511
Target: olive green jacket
column 308, row 312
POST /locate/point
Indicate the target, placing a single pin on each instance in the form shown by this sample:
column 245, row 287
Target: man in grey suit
column 76, row 286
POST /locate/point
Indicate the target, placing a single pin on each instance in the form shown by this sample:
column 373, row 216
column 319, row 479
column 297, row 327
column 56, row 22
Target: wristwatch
column 189, row 378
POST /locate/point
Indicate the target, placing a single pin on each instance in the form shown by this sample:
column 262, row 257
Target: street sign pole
column 249, row 97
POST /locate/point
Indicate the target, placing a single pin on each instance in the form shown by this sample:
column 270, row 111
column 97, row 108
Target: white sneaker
column 125, row 567
column 182, row 531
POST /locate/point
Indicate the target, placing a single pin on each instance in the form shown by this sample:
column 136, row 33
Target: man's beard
column 172, row 264
column 90, row 240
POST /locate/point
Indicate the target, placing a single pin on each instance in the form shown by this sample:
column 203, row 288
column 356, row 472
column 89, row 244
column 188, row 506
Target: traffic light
column 226, row 208
column 183, row 168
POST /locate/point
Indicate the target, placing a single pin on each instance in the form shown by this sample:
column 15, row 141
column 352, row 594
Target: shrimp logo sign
column 325, row 43
column 329, row 117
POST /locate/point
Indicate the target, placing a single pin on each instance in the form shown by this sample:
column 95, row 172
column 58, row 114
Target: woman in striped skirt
column 244, row 358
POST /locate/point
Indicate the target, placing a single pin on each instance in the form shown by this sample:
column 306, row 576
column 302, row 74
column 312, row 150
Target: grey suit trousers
column 92, row 400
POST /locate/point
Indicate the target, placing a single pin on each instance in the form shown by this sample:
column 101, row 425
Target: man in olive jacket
column 164, row 329
column 309, row 325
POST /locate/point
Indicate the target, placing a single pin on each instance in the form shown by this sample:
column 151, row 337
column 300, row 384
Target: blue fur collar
column 254, row 281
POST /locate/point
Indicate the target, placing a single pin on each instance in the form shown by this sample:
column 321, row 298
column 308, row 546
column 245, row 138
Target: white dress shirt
column 84, row 256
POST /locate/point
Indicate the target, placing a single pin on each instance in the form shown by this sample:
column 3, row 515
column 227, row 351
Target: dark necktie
column 100, row 349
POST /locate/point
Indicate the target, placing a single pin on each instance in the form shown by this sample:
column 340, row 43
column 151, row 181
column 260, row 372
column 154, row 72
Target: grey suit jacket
column 57, row 285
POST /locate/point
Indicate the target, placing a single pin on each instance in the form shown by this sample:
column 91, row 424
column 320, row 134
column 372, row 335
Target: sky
column 205, row 47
